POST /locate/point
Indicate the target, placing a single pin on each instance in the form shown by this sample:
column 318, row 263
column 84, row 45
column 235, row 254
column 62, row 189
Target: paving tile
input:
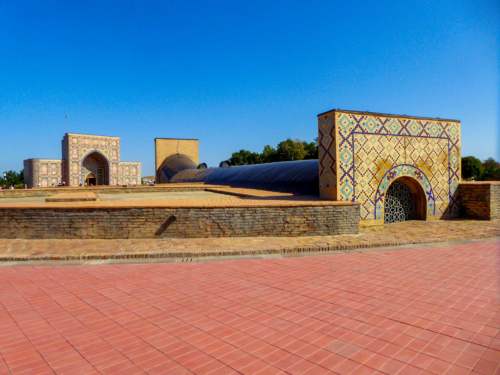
column 467, row 360
column 458, row 370
column 485, row 366
column 421, row 310
column 438, row 366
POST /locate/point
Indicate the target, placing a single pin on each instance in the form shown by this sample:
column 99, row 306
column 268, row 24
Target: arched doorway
column 95, row 169
column 404, row 200
column 90, row 180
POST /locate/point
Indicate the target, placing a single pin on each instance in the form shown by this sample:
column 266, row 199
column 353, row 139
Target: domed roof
column 174, row 164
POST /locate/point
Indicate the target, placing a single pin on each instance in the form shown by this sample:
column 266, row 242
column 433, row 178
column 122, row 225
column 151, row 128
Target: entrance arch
column 417, row 181
column 404, row 200
column 95, row 169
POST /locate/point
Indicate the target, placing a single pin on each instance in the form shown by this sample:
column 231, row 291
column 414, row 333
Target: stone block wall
column 479, row 200
column 88, row 223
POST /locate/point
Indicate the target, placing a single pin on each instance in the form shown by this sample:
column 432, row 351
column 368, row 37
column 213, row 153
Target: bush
column 12, row 178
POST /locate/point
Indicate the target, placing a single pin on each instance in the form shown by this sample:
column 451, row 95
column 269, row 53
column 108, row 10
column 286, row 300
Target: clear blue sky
column 238, row 74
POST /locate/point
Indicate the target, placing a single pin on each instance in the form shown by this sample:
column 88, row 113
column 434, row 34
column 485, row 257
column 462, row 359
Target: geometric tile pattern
column 327, row 156
column 370, row 145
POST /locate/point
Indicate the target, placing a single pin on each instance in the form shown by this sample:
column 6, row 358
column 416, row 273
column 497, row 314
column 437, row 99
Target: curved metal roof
column 295, row 176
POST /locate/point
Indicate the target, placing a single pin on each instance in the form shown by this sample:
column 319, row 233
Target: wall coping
column 479, row 183
column 110, row 205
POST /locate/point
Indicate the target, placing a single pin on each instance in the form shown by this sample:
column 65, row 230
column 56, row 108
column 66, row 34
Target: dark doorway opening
column 404, row 200
column 96, row 169
column 90, row 180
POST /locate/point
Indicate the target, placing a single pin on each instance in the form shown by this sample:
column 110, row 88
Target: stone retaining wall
column 88, row 223
column 479, row 200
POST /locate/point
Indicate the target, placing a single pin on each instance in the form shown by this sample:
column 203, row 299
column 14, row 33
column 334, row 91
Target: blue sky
column 238, row 74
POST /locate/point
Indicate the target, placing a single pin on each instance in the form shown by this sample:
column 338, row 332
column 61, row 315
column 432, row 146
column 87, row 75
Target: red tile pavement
column 426, row 310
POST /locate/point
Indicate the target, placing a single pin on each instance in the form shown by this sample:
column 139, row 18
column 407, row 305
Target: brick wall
column 495, row 201
column 177, row 222
column 479, row 200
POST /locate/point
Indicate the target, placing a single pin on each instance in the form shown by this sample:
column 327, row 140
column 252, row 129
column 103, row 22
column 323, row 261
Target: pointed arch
column 404, row 170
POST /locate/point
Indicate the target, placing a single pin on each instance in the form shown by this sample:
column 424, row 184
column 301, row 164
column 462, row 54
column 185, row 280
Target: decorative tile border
column 403, row 170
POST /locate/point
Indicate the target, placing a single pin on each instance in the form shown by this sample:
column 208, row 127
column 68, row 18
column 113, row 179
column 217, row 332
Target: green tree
column 491, row 170
column 12, row 178
column 311, row 150
column 471, row 168
column 244, row 157
column 286, row 150
column 269, row 154
column 291, row 150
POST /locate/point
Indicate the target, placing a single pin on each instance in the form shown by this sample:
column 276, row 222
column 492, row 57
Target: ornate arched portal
column 95, row 169
column 406, row 193
column 404, row 200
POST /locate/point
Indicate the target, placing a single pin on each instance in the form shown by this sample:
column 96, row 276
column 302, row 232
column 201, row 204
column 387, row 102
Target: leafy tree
column 491, row 170
column 269, row 154
column 471, row 168
column 311, row 150
column 286, row 150
column 474, row 169
column 291, row 150
column 244, row 157
column 12, row 178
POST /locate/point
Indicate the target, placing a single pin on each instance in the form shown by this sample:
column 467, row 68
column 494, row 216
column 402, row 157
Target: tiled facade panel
column 129, row 173
column 327, row 153
column 373, row 150
column 376, row 154
column 71, row 170
column 79, row 146
column 43, row 173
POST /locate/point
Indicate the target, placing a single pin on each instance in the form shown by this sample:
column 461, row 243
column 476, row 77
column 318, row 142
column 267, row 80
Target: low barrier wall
column 88, row 223
column 479, row 200
column 43, row 192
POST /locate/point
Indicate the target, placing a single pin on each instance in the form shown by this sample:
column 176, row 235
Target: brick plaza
column 425, row 310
